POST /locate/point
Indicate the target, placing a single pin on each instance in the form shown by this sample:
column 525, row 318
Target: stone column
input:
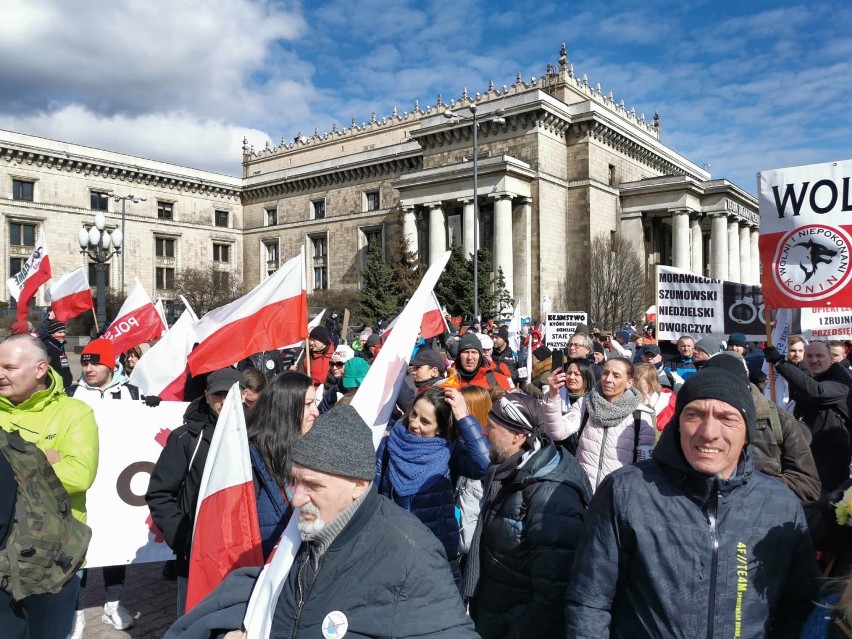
column 503, row 256
column 437, row 232
column 697, row 254
column 733, row 250
column 521, row 235
column 409, row 230
column 719, row 245
column 755, row 256
column 467, row 226
column 745, row 255
column 680, row 239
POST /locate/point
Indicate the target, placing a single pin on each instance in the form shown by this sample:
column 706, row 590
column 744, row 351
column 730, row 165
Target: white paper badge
column 270, row 364
column 335, row 625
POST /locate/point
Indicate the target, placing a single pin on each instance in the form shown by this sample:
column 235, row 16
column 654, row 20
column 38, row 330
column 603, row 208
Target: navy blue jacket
column 435, row 505
column 529, row 532
column 671, row 552
column 273, row 511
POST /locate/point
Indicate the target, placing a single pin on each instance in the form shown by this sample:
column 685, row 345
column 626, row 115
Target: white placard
column 561, row 326
column 131, row 436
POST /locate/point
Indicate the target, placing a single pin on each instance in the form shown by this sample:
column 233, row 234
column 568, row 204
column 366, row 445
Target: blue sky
column 740, row 86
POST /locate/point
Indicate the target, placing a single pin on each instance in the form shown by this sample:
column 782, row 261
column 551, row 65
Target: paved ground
column 149, row 597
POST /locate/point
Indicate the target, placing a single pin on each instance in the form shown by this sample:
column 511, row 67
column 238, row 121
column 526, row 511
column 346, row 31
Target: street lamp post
column 124, row 199
column 475, row 122
column 100, row 246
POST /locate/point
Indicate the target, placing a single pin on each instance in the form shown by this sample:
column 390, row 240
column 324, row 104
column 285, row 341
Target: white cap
column 486, row 341
column 343, row 354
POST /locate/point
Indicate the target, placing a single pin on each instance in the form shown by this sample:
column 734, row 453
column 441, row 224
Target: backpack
column 46, row 545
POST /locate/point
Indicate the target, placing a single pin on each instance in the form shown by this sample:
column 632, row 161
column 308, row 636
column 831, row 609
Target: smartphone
column 557, row 359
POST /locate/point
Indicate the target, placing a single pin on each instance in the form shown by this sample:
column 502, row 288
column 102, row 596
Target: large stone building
column 559, row 162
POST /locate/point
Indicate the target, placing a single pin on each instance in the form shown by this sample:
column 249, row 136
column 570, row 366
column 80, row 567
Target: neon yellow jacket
column 52, row 420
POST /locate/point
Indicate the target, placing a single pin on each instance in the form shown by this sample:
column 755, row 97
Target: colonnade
column 733, row 246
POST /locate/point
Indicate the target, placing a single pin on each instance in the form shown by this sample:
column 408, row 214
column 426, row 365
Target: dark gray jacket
column 671, row 552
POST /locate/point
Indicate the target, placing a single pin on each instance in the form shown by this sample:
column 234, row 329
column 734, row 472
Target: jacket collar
column 38, row 400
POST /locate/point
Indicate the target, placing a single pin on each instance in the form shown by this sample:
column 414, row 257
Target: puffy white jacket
column 600, row 450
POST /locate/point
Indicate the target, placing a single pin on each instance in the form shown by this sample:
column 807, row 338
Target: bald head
column 23, row 368
column 818, row 357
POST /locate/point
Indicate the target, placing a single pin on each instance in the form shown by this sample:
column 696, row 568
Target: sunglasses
column 338, row 364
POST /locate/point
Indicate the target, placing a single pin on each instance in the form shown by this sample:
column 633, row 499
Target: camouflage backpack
column 46, row 545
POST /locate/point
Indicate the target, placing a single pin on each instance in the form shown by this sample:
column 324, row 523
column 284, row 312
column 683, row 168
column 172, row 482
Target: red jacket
column 320, row 362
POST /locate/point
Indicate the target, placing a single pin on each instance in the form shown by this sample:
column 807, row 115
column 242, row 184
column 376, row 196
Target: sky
column 740, row 86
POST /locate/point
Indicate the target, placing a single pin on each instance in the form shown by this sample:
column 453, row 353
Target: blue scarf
column 415, row 462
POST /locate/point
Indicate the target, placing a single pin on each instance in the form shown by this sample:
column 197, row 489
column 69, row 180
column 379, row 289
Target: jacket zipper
column 601, row 458
column 303, row 594
column 712, row 514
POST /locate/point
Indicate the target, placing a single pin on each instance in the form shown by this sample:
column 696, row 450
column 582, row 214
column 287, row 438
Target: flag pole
column 768, row 320
column 307, row 353
column 97, row 328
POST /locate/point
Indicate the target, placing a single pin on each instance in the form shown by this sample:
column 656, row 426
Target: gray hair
column 37, row 351
column 587, row 341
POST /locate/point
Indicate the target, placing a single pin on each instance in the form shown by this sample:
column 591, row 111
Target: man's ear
column 41, row 370
column 361, row 486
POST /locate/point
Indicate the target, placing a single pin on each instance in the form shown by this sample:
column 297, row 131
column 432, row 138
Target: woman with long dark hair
column 424, row 454
column 284, row 412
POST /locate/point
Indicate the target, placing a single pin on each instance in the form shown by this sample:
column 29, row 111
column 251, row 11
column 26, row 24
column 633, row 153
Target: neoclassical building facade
column 559, row 162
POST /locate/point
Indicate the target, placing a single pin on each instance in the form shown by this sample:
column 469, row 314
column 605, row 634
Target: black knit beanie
column 717, row 383
column 339, row 443
column 542, row 353
column 320, row 333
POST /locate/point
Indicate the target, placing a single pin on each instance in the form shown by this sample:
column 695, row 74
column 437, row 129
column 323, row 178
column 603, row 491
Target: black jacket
column 529, row 533
column 173, row 490
column 822, row 403
column 671, row 552
column 385, row 571
column 58, row 359
column 507, row 357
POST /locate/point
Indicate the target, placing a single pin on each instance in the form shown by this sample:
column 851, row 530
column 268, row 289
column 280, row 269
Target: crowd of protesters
column 620, row 486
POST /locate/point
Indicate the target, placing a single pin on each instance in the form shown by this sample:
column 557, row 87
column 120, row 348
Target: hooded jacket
column 527, row 543
column 672, row 552
column 52, row 420
column 173, row 489
column 118, row 388
column 822, row 403
column 488, row 375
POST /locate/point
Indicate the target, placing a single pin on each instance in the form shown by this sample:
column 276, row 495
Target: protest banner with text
column 689, row 304
column 561, row 326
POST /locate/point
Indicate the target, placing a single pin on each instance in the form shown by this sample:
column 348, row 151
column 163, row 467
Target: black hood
column 199, row 414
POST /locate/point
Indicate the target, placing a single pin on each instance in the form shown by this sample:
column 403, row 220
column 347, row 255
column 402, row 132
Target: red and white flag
column 162, row 370
column 35, row 272
column 374, row 401
column 806, row 235
column 272, row 315
column 70, row 295
column 226, row 535
column 137, row 322
column 432, row 324
column 311, row 325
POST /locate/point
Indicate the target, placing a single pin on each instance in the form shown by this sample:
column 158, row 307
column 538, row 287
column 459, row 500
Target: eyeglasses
column 575, row 345
column 337, row 364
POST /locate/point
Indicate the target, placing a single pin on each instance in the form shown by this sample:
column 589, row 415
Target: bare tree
column 207, row 288
column 617, row 279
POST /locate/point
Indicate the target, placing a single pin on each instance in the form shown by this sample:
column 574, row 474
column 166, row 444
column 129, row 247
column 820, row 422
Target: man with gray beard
column 366, row 567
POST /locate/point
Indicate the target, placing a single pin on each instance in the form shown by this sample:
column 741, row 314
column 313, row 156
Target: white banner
column 826, row 323
column 689, row 304
column 561, row 326
column 131, row 436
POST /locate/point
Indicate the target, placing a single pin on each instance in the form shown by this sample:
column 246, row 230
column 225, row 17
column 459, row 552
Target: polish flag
column 162, row 370
column 35, row 272
column 382, row 383
column 161, row 309
column 311, row 326
column 432, row 323
column 137, row 322
column 273, row 314
column 70, row 295
column 226, row 534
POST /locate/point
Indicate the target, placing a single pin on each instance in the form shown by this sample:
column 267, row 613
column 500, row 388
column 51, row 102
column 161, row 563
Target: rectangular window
column 21, row 234
column 611, row 176
column 222, row 219
column 15, row 265
column 22, row 190
column 319, row 257
column 271, row 217
column 165, row 278
column 372, row 201
column 164, row 247
column 221, row 280
column 271, row 250
column 99, row 201
column 318, row 207
column 165, row 211
column 221, row 252
column 93, row 275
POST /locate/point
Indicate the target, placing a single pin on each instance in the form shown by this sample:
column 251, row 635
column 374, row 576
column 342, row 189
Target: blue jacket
column 273, row 510
column 671, row 552
column 435, row 505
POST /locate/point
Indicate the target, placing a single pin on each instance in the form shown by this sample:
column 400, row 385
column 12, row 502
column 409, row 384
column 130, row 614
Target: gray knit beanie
column 339, row 443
